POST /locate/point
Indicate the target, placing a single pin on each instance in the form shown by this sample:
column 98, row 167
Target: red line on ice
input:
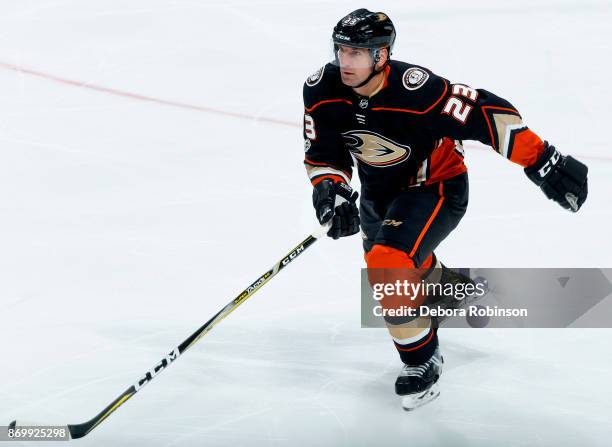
column 165, row 102
column 116, row 92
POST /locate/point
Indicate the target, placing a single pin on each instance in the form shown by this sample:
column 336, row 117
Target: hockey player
column 404, row 125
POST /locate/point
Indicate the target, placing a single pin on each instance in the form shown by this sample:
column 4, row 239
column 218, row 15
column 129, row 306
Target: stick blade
column 79, row 430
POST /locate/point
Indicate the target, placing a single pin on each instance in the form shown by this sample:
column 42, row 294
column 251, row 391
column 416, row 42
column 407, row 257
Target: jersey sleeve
column 326, row 157
column 466, row 113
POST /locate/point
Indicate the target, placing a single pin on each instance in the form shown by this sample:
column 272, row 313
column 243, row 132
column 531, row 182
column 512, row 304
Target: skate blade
column 414, row 401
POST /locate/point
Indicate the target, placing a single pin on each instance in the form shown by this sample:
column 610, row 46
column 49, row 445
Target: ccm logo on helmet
column 375, row 150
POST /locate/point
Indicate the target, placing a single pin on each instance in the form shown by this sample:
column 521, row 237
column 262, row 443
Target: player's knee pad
column 387, row 266
column 385, row 257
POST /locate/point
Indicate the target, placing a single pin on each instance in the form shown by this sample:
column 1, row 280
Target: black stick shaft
column 80, row 430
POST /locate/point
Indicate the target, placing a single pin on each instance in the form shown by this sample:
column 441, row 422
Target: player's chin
column 349, row 80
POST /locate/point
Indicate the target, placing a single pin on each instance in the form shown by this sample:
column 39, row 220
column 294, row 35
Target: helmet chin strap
column 375, row 59
column 369, row 78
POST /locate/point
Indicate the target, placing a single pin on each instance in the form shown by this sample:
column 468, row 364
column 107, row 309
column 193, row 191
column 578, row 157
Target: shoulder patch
column 315, row 78
column 414, row 78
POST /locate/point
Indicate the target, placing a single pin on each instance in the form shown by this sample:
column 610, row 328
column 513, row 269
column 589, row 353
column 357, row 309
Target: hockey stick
column 80, row 430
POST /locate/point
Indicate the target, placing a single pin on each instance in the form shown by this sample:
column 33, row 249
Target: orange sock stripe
column 419, row 346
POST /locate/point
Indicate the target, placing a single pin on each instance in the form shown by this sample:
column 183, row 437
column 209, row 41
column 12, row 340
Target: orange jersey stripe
column 325, row 101
column 417, row 112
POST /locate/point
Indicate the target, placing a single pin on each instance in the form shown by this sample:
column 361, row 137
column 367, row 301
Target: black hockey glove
column 335, row 202
column 562, row 178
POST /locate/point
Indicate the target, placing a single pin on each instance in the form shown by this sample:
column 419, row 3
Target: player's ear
column 383, row 58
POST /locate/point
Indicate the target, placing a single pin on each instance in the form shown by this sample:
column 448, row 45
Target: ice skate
column 418, row 384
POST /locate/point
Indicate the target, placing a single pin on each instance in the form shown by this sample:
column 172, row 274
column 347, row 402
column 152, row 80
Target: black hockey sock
column 419, row 351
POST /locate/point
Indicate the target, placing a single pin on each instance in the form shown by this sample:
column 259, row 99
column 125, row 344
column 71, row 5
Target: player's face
column 355, row 64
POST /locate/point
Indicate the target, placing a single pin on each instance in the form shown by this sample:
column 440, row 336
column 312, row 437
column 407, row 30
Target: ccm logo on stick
column 292, row 255
column 157, row 369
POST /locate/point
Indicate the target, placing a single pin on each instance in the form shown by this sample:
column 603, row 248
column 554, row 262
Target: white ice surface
column 125, row 224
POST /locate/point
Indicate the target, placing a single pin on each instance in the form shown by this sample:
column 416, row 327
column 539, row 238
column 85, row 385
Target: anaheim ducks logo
column 374, row 149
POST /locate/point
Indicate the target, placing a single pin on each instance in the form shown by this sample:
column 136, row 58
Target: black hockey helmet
column 365, row 29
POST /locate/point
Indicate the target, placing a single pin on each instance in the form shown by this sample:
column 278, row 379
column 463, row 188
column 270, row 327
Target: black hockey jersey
column 407, row 133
